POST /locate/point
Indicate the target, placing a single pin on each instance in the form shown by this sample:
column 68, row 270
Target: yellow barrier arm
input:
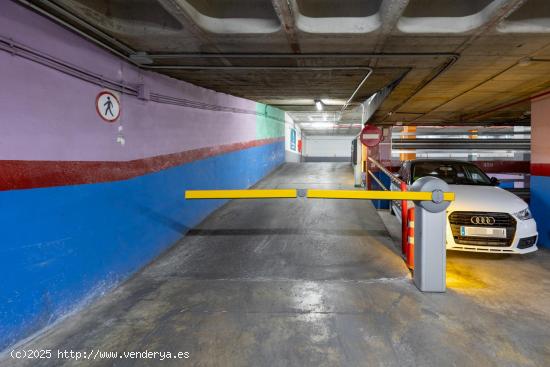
column 376, row 195
column 241, row 194
column 316, row 194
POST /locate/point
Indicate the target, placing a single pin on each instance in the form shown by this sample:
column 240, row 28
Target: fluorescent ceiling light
column 333, row 101
column 319, row 105
column 318, row 125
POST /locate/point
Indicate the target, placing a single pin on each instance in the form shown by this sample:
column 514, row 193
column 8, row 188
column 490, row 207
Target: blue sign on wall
column 293, row 139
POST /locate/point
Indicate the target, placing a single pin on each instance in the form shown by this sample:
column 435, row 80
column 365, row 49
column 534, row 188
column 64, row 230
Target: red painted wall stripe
column 33, row 174
column 540, row 169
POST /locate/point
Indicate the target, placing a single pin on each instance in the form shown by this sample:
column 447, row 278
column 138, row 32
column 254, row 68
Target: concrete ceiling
column 459, row 59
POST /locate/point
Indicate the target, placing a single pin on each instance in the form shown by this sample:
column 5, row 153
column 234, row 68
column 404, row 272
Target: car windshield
column 453, row 173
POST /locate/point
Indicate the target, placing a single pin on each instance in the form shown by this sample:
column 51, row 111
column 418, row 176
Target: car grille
column 502, row 220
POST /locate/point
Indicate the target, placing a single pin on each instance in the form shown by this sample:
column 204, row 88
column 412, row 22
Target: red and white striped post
column 404, row 220
column 409, row 252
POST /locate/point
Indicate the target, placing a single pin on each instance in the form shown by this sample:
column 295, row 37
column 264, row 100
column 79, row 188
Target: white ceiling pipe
column 370, row 71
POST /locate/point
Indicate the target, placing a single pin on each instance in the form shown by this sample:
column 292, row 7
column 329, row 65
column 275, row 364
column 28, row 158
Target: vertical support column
column 357, row 168
column 364, row 162
column 540, row 167
column 372, row 153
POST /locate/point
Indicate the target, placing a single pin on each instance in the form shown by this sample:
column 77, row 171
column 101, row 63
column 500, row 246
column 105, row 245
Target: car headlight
column 523, row 214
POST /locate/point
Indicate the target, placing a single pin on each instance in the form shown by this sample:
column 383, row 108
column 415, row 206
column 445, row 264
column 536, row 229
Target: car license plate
column 482, row 232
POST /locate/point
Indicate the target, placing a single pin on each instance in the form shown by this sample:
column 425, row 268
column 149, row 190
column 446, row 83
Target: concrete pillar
column 540, row 167
column 357, row 168
column 364, row 160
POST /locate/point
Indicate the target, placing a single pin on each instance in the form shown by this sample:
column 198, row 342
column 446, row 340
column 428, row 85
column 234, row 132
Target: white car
column 483, row 217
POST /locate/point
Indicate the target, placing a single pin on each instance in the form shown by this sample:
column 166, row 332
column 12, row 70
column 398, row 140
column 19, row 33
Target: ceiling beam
column 500, row 11
column 390, row 12
column 246, row 67
column 285, row 12
column 434, row 75
column 188, row 23
column 346, row 55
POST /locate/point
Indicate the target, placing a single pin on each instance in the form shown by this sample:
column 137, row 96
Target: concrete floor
column 312, row 283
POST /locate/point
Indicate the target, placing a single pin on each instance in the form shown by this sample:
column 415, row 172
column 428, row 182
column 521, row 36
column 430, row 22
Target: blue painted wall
column 61, row 244
column 540, row 207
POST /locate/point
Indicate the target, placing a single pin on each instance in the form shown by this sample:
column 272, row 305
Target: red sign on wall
column 300, row 146
column 371, row 135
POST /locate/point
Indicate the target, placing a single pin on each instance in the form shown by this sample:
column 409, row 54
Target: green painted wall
column 270, row 123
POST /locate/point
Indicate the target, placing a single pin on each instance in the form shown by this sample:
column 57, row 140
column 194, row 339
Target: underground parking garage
column 275, row 183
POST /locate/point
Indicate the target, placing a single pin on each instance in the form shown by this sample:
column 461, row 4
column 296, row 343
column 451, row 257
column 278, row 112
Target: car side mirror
column 495, row 181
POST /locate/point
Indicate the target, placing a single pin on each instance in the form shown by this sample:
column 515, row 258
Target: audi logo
column 483, row 220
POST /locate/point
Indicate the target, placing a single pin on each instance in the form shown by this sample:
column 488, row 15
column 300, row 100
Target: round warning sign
column 107, row 106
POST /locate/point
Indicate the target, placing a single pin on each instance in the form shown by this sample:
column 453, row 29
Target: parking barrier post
column 429, row 235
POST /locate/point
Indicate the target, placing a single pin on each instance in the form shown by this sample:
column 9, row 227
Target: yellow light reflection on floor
column 460, row 276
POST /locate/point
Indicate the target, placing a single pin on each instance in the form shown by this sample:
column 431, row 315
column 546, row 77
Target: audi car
column 483, row 217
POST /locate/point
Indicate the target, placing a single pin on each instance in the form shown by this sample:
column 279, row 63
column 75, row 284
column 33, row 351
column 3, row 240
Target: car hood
column 484, row 198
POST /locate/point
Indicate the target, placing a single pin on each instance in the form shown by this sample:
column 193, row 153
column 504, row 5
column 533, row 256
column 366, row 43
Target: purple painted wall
column 46, row 127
